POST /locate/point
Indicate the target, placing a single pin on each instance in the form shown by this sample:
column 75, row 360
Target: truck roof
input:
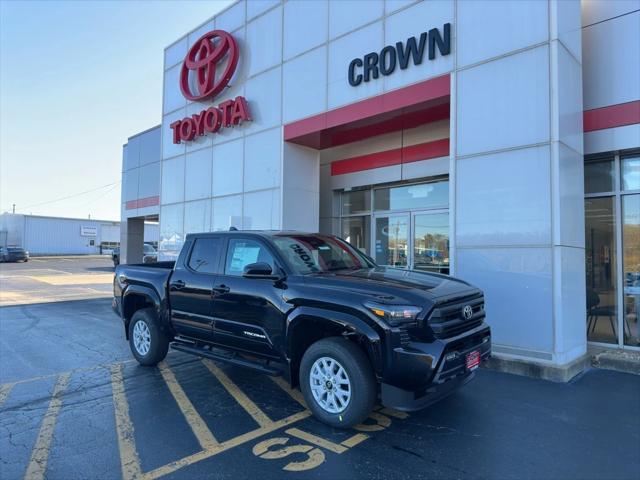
column 261, row 233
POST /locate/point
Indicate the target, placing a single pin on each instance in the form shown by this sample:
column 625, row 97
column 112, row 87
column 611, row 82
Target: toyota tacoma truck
column 314, row 309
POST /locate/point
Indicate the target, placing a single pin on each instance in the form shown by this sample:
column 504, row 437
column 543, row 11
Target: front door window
column 392, row 240
column 431, row 242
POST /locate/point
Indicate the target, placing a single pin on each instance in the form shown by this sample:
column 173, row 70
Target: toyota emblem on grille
column 467, row 312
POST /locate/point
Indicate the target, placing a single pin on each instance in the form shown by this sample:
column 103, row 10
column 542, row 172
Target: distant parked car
column 13, row 254
column 150, row 255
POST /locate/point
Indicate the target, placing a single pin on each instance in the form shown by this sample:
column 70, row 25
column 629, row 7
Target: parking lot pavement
column 46, row 279
column 74, row 406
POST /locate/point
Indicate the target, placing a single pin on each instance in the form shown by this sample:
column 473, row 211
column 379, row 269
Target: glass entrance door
column 391, row 241
column 418, row 240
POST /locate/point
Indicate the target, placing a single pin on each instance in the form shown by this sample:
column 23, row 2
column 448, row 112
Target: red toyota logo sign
column 203, row 59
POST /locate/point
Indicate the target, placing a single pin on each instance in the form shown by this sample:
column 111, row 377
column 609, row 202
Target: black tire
column 362, row 381
column 159, row 342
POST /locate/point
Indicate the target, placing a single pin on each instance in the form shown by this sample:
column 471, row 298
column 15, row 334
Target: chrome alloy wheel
column 141, row 337
column 330, row 385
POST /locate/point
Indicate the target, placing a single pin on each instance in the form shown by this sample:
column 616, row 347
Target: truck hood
column 393, row 285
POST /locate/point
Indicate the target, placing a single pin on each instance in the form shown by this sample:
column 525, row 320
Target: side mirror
column 257, row 270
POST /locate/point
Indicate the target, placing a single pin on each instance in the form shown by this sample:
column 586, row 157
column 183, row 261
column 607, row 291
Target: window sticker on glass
column 243, row 256
column 303, row 256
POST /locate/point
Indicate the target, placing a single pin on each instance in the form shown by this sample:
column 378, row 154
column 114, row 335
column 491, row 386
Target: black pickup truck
column 312, row 308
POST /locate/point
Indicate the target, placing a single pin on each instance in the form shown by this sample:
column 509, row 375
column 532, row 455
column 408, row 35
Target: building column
column 518, row 206
column 132, row 240
column 567, row 184
column 300, row 201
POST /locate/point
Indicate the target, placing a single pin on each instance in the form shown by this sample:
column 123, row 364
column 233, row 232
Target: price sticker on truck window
column 473, row 360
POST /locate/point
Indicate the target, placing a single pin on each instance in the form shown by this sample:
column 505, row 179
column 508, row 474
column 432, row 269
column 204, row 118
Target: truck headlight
column 395, row 315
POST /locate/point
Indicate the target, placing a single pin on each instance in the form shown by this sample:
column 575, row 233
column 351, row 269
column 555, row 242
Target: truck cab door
column 191, row 288
column 249, row 313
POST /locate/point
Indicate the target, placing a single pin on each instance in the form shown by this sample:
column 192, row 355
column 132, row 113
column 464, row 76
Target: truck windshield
column 319, row 253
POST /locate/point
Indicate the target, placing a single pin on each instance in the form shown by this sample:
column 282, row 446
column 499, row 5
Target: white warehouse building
column 42, row 235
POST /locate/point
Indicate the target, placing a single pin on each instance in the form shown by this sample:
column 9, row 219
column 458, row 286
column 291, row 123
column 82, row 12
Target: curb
column 619, row 361
column 553, row 373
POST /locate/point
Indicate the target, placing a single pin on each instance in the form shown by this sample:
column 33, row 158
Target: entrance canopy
column 408, row 107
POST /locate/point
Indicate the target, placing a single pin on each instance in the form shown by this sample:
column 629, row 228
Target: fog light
column 451, row 356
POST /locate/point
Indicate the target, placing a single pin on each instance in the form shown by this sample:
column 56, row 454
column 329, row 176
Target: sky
column 77, row 78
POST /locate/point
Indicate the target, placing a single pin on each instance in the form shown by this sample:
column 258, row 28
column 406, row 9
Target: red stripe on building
column 386, row 112
column 424, row 151
column 611, row 116
column 396, row 156
column 143, row 202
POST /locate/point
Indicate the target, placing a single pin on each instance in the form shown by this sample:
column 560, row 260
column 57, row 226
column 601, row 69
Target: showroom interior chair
column 595, row 311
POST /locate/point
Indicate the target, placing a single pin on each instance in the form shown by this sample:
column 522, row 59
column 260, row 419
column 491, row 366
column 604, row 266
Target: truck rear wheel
column 337, row 382
column 148, row 343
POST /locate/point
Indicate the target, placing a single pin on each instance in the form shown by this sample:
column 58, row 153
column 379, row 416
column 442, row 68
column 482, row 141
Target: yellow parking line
column 252, row 409
column 355, row 440
column 5, row 390
column 75, row 370
column 234, row 442
column 195, row 421
column 129, row 460
column 317, row 441
column 293, row 393
column 40, row 454
column 394, row 413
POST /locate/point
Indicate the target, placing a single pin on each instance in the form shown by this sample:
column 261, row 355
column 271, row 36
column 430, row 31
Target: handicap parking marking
column 298, row 442
column 193, row 418
column 315, row 456
column 40, row 453
column 129, row 459
column 315, row 446
column 22, row 416
column 293, row 393
column 252, row 409
column 265, row 396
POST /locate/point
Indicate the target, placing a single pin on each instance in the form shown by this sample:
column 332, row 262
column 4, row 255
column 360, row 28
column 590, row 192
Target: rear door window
column 205, row 254
column 242, row 252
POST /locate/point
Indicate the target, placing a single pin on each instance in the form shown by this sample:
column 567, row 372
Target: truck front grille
column 447, row 319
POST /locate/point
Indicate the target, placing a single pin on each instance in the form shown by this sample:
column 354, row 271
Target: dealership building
column 497, row 141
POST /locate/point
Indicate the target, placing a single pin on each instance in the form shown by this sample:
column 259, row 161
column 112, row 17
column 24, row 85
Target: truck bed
column 150, row 275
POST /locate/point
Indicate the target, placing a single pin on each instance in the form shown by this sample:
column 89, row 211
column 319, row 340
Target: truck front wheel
column 148, row 343
column 337, row 382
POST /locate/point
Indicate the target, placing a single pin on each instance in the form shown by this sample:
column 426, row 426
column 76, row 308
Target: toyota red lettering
column 215, row 51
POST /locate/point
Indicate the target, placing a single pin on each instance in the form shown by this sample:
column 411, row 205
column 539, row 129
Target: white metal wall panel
column 57, row 236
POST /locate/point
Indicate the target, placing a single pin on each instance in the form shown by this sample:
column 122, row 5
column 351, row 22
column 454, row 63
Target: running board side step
column 233, row 360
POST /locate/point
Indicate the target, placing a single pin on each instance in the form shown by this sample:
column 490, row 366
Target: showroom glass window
column 612, row 241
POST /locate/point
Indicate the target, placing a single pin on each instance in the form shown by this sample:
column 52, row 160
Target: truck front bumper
column 436, row 369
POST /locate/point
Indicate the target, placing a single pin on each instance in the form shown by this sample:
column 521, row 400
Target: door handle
column 221, row 289
column 177, row 285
